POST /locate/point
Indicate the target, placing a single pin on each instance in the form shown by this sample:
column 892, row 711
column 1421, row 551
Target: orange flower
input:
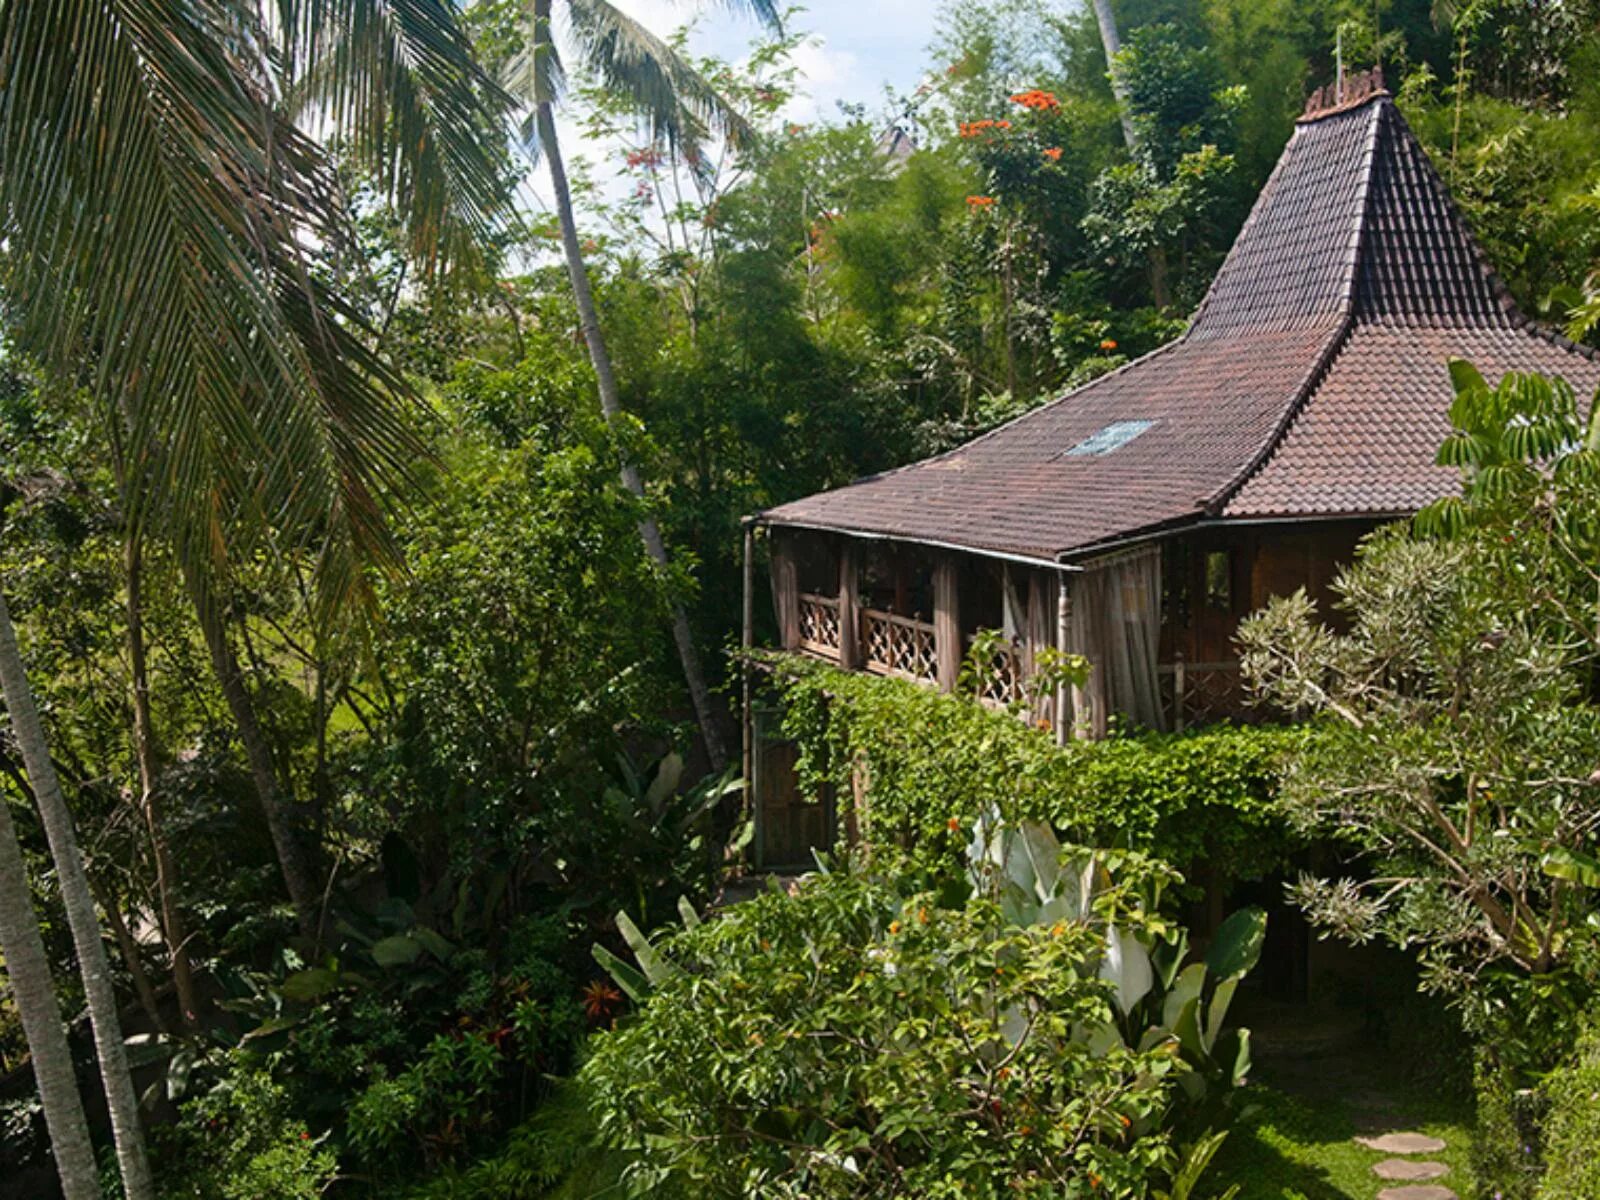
column 977, row 202
column 894, row 926
column 971, row 129
column 1108, row 345
column 953, row 824
column 922, row 916
column 1126, row 1122
column 1094, row 1180
column 1053, row 154
column 1037, row 100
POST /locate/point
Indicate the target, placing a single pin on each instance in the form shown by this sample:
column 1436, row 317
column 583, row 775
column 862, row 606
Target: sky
column 854, row 48
column 857, row 47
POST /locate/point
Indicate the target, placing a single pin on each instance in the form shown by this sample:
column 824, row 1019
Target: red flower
column 600, row 1000
column 1053, row 154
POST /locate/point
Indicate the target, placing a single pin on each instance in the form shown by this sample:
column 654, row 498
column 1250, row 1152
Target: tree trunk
column 610, row 396
column 129, row 949
column 34, row 993
column 263, row 771
column 144, row 741
column 78, row 900
column 1107, row 21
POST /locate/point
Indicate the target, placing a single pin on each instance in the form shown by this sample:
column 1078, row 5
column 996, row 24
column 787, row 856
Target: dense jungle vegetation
column 370, row 535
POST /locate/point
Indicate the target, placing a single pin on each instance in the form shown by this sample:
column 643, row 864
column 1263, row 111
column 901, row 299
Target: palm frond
column 677, row 104
column 536, row 73
column 397, row 80
column 164, row 222
column 765, row 11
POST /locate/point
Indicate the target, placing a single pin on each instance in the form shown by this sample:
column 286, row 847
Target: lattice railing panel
column 1001, row 682
column 896, row 645
column 1211, row 692
column 820, row 631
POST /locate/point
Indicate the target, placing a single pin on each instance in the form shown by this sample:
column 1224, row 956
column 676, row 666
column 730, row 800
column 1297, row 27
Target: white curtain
column 1116, row 625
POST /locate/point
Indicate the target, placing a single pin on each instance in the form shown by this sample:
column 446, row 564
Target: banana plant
column 653, row 969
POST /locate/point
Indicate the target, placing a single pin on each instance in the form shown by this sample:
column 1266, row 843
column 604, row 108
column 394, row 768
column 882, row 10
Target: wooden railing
column 1200, row 693
column 820, row 633
column 895, row 645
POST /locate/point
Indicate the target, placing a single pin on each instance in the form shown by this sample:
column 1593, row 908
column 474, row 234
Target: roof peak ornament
column 1347, row 92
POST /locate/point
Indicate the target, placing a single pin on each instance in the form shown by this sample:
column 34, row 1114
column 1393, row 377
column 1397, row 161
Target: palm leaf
column 398, row 80
column 677, row 104
column 165, row 225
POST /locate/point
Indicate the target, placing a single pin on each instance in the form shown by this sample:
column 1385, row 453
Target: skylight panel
column 1113, row 437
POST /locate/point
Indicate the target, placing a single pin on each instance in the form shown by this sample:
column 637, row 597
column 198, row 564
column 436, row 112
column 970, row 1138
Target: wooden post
column 748, row 640
column 849, row 606
column 1179, row 686
column 947, row 621
column 785, row 590
column 1063, row 625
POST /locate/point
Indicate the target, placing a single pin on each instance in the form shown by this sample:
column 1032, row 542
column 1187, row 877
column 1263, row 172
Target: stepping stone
column 1405, row 1170
column 1424, row 1191
column 1403, row 1143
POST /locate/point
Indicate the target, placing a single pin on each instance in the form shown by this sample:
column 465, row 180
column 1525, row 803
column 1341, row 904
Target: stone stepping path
column 1410, row 1173
column 1405, row 1170
column 1403, row 1143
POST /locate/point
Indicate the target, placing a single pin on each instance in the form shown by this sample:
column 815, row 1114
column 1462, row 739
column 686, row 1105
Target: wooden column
column 947, row 621
column 849, row 605
column 785, row 590
column 1063, row 640
column 747, row 640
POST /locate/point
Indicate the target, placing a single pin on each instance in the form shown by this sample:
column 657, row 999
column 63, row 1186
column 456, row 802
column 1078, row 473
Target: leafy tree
column 1460, row 721
column 679, row 107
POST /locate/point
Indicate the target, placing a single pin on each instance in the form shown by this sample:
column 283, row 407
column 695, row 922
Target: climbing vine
column 915, row 767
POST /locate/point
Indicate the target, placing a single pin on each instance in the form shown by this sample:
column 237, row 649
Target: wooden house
column 1138, row 518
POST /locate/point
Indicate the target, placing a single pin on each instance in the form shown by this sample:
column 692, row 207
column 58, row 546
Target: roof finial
column 1345, row 91
column 1338, row 65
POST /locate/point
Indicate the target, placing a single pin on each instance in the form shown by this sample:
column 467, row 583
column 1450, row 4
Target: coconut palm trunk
column 1160, row 289
column 1112, row 43
column 610, row 396
column 82, row 919
column 34, row 993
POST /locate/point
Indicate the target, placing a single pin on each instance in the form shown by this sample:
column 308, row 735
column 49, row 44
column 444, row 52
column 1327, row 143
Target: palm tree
column 34, row 993
column 1112, row 43
column 82, row 918
column 680, row 106
column 164, row 219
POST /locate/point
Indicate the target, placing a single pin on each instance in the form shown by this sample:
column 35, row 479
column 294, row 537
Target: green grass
column 1292, row 1146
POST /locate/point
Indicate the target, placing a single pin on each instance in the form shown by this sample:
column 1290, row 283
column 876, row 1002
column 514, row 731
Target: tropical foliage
column 364, row 640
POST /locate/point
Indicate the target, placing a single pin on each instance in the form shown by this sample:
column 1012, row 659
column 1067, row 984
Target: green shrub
column 851, row 1040
column 933, row 762
column 242, row 1141
column 1572, row 1124
column 1506, row 1158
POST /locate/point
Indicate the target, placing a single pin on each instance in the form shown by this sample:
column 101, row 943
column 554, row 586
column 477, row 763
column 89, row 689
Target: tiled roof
column 1364, row 444
column 1311, row 382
